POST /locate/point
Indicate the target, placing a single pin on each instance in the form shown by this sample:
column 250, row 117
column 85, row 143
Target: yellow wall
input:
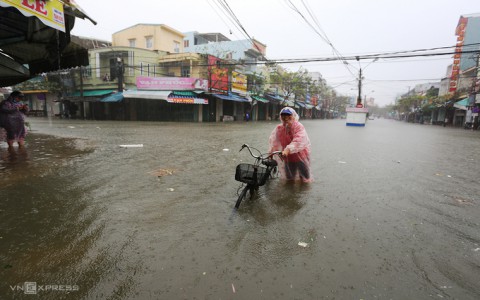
column 164, row 37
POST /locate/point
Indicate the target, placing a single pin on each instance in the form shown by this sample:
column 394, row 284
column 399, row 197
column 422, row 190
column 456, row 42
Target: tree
column 292, row 83
column 256, row 83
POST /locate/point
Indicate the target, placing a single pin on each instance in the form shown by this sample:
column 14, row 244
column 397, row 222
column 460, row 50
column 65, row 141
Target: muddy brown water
column 393, row 214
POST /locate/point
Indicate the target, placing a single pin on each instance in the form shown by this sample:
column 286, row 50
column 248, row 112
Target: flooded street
column 393, row 213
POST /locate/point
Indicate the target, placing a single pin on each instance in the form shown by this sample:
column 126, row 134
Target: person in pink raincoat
column 291, row 138
column 12, row 117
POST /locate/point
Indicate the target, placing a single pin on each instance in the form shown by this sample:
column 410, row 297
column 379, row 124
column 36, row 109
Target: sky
column 311, row 29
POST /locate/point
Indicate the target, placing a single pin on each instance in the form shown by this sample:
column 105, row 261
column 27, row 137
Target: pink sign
column 171, row 83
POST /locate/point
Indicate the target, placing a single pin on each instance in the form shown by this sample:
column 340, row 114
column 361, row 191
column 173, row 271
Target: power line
column 321, row 34
column 227, row 8
column 330, row 59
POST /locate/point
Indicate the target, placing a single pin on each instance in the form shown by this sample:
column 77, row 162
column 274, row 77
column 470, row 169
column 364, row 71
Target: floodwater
column 393, row 214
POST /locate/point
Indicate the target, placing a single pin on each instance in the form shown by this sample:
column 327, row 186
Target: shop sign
column 171, row 83
column 49, row 12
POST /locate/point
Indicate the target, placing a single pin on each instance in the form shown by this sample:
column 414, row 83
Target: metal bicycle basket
column 244, row 173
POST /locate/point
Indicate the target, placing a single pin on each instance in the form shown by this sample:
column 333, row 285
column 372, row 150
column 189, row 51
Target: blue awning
column 230, row 97
column 115, row 97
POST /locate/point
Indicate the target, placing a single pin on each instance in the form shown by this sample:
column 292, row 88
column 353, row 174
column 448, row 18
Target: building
column 465, row 63
column 154, row 37
column 247, row 52
column 464, row 83
column 444, row 88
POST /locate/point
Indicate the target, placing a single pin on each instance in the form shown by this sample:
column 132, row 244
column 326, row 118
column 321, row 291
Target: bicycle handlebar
column 261, row 156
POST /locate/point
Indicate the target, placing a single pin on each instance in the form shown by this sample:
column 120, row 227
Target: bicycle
column 256, row 174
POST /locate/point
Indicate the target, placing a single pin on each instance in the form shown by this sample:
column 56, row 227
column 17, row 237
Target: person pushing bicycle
column 291, row 138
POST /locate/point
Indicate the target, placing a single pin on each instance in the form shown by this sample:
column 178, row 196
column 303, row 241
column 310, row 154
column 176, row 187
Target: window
column 176, row 47
column 132, row 43
column 185, row 71
column 87, row 72
column 186, row 43
column 148, row 42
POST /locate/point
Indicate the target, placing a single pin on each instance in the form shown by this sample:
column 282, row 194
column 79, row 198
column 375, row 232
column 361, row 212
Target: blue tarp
column 231, row 97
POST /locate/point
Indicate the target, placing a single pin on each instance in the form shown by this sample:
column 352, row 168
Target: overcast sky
column 353, row 27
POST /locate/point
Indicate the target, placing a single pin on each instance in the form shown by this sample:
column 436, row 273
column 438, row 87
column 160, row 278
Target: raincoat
column 12, row 116
column 294, row 137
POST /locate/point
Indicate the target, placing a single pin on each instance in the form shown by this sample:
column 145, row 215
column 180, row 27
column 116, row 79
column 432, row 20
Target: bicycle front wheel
column 242, row 195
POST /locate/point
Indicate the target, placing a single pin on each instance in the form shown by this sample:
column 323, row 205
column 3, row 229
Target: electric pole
column 120, row 70
column 359, row 98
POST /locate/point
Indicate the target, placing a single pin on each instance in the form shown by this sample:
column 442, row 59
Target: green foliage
column 256, row 83
column 408, row 103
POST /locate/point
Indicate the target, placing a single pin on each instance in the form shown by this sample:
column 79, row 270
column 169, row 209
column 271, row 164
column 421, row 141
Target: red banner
column 218, row 75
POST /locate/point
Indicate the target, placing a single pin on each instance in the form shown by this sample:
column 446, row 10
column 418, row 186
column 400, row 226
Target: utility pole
column 359, row 98
column 120, row 70
column 82, row 108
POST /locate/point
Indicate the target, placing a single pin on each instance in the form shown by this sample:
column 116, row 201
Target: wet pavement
column 393, row 214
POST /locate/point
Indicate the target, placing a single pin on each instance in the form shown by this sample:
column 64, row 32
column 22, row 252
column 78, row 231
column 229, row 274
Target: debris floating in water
column 171, row 189
column 132, row 146
column 342, row 162
column 226, row 149
column 233, row 288
column 303, row 244
column 161, row 172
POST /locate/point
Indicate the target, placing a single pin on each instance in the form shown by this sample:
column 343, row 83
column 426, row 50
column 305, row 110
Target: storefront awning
column 274, row 97
column 88, row 95
column 180, row 97
column 186, row 97
column 462, row 104
column 115, row 97
column 153, row 95
column 260, row 99
column 51, row 13
column 11, row 71
column 309, row 106
column 300, row 104
column 230, row 97
column 92, row 93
